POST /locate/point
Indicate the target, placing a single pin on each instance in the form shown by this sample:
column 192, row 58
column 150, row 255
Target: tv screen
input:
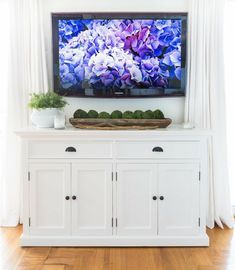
column 119, row 55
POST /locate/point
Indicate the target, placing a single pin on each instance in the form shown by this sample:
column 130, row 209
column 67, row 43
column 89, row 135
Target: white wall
column 172, row 107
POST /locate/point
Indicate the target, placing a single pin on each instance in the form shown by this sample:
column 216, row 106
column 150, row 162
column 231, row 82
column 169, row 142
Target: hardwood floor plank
column 175, row 259
column 219, row 256
column 69, row 252
column 53, row 267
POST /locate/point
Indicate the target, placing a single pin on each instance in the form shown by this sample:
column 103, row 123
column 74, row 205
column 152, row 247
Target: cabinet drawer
column 157, row 149
column 72, row 149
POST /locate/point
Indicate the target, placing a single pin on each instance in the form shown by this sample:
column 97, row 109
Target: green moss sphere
column 148, row 114
column 138, row 114
column 127, row 115
column 116, row 114
column 80, row 114
column 104, row 115
column 92, row 114
column 158, row 114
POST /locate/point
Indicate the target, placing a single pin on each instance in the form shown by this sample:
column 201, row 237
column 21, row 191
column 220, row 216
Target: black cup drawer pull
column 157, row 149
column 70, row 149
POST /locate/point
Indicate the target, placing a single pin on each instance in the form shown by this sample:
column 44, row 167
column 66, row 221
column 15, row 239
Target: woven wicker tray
column 119, row 124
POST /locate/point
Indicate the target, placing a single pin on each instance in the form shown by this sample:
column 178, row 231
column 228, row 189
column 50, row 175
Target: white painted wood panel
column 49, row 210
column 136, row 209
column 57, row 149
column 178, row 212
column 158, row 149
column 92, row 209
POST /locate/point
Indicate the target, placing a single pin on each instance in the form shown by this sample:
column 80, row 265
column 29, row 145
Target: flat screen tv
column 119, row 55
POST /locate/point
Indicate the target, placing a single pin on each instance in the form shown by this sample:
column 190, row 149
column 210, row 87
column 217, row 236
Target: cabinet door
column 92, row 208
column 136, row 209
column 49, row 210
column 178, row 206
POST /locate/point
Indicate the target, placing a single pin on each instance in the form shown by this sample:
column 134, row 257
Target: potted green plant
column 45, row 106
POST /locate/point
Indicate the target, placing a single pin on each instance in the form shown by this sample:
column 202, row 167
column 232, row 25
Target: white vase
column 44, row 118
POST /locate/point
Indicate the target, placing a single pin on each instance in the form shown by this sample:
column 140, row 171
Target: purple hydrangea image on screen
column 119, row 53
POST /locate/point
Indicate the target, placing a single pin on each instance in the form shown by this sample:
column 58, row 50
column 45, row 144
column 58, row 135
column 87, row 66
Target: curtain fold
column 27, row 74
column 205, row 100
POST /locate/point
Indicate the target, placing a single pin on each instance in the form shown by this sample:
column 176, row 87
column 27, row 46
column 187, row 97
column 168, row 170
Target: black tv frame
column 145, row 93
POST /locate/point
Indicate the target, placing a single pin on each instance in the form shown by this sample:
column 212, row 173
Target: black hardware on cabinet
column 70, row 149
column 74, row 197
column 67, row 198
column 161, row 198
column 157, row 149
column 154, row 198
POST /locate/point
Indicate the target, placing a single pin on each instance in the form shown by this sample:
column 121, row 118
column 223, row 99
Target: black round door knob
column 154, row 198
column 161, row 198
column 67, row 198
column 74, row 197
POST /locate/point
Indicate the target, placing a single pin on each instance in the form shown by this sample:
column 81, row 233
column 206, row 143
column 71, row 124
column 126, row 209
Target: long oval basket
column 119, row 124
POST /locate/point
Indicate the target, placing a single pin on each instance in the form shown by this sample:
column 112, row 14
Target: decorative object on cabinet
column 114, row 188
column 119, row 124
column 59, row 120
column 45, row 107
column 119, row 121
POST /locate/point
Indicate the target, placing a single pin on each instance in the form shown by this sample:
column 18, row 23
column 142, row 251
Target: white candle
column 59, row 121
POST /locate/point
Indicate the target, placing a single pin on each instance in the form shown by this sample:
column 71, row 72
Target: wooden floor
column 219, row 256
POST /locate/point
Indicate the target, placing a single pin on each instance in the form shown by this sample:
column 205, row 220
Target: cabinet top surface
column 173, row 130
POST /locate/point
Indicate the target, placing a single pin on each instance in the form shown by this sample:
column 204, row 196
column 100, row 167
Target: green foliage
column 138, row 114
column 127, row 115
column 158, row 114
column 92, row 114
column 148, row 114
column 47, row 100
column 80, row 114
column 116, row 114
column 104, row 115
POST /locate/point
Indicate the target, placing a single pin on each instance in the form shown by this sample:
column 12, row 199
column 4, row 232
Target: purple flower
column 114, row 54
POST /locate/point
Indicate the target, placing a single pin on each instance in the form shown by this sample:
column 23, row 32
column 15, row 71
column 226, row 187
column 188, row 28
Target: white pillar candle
column 59, row 120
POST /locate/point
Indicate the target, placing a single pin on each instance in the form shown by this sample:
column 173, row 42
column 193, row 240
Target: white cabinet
column 114, row 188
column 92, row 199
column 136, row 210
column 54, row 195
column 178, row 208
column 48, row 208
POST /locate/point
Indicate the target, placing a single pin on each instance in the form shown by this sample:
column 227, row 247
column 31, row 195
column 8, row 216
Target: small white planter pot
column 44, row 118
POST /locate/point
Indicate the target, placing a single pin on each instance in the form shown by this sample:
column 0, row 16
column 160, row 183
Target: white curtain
column 27, row 74
column 229, row 41
column 205, row 100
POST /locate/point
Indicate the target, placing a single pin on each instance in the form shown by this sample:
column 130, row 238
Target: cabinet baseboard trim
column 159, row 241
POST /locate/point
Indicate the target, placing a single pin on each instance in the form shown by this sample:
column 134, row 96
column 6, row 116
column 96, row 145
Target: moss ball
column 138, row 114
column 158, row 114
column 104, row 115
column 92, row 114
column 116, row 114
column 148, row 114
column 127, row 115
column 80, row 114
